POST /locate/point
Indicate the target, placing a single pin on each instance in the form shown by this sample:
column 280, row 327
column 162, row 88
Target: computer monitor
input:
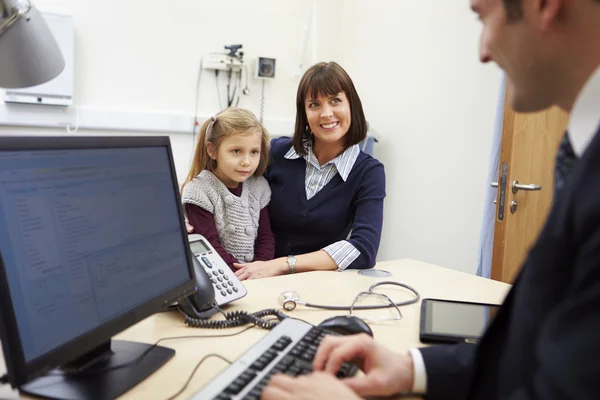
column 92, row 241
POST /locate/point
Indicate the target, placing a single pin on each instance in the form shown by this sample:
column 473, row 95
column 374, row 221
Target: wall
column 416, row 68
column 138, row 60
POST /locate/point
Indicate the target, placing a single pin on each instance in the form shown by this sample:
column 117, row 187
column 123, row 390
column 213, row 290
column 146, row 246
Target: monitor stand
column 91, row 376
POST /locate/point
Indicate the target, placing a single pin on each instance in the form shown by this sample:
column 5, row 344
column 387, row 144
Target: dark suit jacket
column 545, row 341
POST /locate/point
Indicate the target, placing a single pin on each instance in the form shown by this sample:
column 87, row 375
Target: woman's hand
column 261, row 269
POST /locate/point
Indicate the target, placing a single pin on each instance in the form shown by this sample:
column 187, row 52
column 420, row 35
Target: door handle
column 516, row 186
column 494, row 184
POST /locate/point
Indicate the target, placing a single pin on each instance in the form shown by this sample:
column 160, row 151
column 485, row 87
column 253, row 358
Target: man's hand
column 261, row 269
column 385, row 373
column 316, row 386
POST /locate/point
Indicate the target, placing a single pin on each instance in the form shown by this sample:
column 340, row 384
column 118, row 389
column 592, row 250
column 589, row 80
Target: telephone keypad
column 227, row 286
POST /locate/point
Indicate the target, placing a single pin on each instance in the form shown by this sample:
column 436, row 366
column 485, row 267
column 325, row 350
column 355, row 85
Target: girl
column 225, row 195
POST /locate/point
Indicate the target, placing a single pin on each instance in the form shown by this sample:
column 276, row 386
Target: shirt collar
column 584, row 117
column 343, row 163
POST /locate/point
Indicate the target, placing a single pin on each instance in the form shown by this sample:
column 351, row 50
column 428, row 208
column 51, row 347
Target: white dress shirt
column 317, row 176
column 584, row 123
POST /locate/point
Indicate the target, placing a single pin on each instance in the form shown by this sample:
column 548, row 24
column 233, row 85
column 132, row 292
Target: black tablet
column 449, row 321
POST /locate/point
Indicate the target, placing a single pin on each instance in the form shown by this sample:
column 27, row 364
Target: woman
column 327, row 195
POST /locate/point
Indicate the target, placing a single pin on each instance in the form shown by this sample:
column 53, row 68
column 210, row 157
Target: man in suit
column 545, row 341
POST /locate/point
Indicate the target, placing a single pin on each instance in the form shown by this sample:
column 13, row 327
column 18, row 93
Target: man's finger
column 274, row 393
column 364, row 385
column 352, row 349
column 324, row 350
column 282, row 380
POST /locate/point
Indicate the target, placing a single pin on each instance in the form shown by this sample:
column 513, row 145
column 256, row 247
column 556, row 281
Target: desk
column 323, row 287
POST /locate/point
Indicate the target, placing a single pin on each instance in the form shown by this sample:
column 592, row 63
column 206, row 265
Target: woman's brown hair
column 327, row 79
column 230, row 121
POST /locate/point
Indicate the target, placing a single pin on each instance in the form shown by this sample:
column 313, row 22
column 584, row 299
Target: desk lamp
column 29, row 55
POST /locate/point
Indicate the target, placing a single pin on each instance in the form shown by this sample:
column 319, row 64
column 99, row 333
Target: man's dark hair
column 514, row 9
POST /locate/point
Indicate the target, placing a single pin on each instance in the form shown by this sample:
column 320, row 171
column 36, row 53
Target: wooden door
column 527, row 155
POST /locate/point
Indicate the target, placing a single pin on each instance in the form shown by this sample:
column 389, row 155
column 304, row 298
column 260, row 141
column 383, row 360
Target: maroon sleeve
column 204, row 224
column 264, row 246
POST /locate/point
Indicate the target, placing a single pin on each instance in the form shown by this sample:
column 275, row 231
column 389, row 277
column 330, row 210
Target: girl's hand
column 188, row 226
column 261, row 269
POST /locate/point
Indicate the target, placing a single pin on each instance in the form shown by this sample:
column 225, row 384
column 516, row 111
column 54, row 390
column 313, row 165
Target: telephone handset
column 213, row 275
column 217, row 285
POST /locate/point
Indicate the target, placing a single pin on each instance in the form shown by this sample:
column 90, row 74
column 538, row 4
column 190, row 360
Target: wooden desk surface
column 316, row 287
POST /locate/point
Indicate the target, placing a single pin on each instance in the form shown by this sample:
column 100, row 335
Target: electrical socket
column 222, row 62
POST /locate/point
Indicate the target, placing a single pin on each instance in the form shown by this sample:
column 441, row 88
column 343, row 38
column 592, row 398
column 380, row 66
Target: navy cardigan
column 341, row 208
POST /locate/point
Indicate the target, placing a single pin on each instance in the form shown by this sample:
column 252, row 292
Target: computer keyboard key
column 296, row 352
column 287, row 360
column 246, row 377
column 240, row 382
column 223, row 396
column 279, row 368
column 282, row 343
column 258, row 365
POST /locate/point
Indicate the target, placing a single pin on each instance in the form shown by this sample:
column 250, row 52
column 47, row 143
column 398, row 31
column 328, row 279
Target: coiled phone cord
column 238, row 318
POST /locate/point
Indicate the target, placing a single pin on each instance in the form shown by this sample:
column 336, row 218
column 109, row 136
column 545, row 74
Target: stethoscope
column 290, row 299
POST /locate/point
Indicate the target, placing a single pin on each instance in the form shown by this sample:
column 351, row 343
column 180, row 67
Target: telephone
column 217, row 286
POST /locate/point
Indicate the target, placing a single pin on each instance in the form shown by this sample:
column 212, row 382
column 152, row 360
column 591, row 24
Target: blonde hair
column 230, row 121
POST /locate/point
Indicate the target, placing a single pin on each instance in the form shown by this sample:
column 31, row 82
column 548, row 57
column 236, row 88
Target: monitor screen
column 87, row 235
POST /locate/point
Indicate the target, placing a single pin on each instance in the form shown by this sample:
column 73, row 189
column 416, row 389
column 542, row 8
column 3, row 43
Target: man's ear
column 211, row 149
column 550, row 12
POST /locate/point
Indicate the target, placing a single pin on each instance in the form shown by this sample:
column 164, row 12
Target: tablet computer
column 450, row 321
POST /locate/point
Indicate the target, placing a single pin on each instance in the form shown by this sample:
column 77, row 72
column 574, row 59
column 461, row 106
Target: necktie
column 565, row 161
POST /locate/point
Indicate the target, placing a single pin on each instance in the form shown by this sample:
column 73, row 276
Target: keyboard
column 288, row 348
